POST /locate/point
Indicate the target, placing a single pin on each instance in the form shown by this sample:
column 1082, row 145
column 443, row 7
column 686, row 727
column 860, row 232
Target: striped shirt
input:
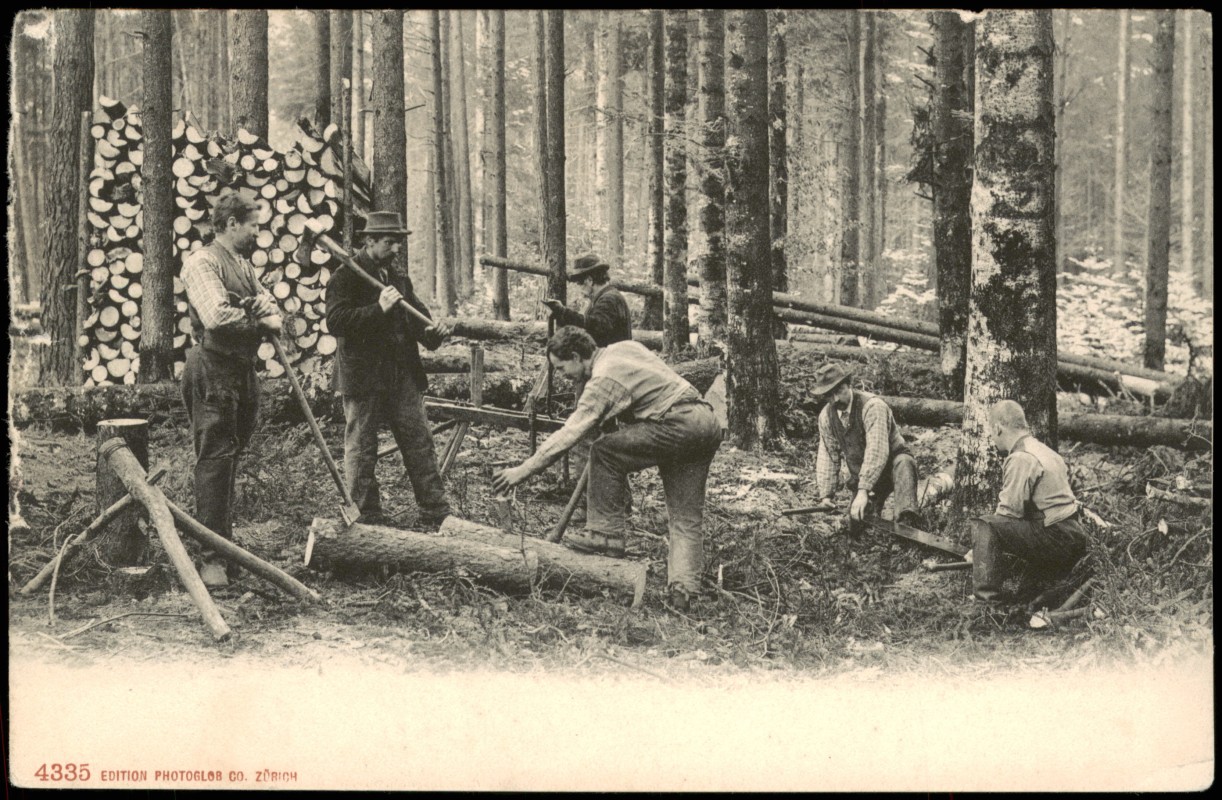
column 626, row 378
column 206, row 292
column 876, row 417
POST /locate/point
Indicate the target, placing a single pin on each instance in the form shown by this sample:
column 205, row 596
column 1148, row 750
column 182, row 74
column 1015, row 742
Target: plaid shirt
column 626, row 378
column 207, row 294
column 874, row 416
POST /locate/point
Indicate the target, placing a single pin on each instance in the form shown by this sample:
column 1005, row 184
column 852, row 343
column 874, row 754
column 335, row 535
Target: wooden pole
column 131, row 473
column 227, row 549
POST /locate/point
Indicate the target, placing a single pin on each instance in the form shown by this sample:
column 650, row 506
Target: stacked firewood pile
column 303, row 184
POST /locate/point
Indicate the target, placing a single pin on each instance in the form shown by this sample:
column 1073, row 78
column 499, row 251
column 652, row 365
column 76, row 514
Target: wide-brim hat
column 828, row 377
column 583, row 265
column 383, row 223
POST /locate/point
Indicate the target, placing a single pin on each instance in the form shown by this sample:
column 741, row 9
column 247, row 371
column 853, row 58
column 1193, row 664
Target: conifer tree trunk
column 654, row 162
column 1158, row 234
column 1012, row 343
column 1062, row 99
column 554, row 239
column 248, row 71
column 880, row 157
column 710, row 219
column 359, row 70
column 850, row 170
column 540, row 113
column 1205, row 273
column 1187, row 166
column 952, row 189
column 73, row 71
column 495, row 167
column 157, row 327
column 462, row 155
column 614, row 141
column 869, row 152
column 1120, row 144
column 778, row 159
column 751, row 362
column 675, row 331
column 446, row 290
column 322, row 79
column 340, row 61
column 389, row 128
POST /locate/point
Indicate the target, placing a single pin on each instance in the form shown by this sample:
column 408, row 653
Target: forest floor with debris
column 790, row 594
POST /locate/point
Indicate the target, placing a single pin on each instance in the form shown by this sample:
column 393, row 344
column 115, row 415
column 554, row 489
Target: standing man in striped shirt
column 667, row 424
column 859, row 429
column 230, row 312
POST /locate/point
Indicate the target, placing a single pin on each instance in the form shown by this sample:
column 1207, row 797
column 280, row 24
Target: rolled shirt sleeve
column 601, row 399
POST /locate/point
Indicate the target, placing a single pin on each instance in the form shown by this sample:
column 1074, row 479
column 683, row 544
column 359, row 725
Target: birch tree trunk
column 751, row 361
column 778, row 159
column 248, row 71
column 1119, row 176
column 952, row 189
column 157, row 327
column 655, row 254
column 675, row 330
column 495, row 166
column 850, row 170
column 389, row 126
column 710, row 220
column 73, row 71
column 1158, row 235
column 1012, row 343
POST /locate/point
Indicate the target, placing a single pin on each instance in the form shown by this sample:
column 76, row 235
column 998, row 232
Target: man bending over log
column 666, row 424
column 219, row 385
column 859, row 429
column 1037, row 515
column 379, row 373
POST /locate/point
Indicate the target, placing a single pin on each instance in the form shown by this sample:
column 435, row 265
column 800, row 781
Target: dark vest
column 240, row 281
column 853, row 438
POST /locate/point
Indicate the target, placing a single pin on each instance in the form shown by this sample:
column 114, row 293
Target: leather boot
column 986, row 571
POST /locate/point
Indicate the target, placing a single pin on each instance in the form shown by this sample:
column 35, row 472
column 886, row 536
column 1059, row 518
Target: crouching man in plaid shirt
column 859, row 428
column 664, row 422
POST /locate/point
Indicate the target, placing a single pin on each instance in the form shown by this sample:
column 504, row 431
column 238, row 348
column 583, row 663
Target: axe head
column 350, row 513
column 305, row 246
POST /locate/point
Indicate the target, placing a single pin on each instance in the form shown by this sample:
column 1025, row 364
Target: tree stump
column 122, row 543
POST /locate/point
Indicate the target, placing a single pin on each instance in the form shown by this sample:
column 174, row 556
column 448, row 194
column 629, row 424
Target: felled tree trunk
column 559, row 566
column 510, row 563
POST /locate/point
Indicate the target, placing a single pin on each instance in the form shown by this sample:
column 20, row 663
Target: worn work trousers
column 681, row 444
column 402, row 410
column 898, row 478
column 221, row 394
column 1051, row 551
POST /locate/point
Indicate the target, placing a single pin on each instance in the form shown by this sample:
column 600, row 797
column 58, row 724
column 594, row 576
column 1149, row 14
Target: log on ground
column 362, row 547
column 561, row 567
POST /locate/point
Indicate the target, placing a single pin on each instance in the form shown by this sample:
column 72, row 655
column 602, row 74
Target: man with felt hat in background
column 379, row 373
column 606, row 317
column 858, row 429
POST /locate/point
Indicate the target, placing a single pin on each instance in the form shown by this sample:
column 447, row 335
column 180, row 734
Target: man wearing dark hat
column 379, row 374
column 606, row 318
column 859, row 429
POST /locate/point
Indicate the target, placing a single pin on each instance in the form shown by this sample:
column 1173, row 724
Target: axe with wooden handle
column 315, row 235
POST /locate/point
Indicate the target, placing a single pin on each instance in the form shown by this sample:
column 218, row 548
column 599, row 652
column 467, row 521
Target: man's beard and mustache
column 245, row 247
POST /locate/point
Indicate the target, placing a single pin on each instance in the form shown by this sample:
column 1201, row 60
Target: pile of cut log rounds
column 304, row 184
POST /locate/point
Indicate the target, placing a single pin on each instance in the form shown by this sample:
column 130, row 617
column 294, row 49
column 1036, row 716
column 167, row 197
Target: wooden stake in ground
column 131, row 473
